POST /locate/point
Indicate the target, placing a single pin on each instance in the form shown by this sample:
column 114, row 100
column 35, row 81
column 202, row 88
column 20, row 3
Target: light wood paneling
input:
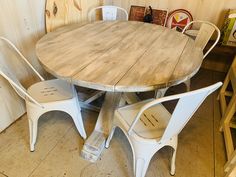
column 59, row 13
column 210, row 10
column 22, row 25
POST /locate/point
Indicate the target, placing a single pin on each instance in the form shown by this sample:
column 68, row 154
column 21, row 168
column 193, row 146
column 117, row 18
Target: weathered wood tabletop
column 117, row 57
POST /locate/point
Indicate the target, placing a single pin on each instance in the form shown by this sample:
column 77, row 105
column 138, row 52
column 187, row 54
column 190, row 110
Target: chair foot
column 32, row 148
column 107, row 144
column 84, row 137
column 172, row 174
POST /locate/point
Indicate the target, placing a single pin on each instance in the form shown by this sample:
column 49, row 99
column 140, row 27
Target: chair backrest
column 9, row 73
column 204, row 34
column 109, row 13
column 187, row 104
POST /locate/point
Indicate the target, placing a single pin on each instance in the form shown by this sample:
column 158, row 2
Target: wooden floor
column 201, row 152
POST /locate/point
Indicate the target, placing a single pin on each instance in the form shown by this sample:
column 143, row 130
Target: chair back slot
column 204, row 35
column 109, row 13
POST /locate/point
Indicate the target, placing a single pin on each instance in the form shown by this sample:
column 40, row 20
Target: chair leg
column 110, row 137
column 187, row 84
column 172, row 167
column 33, row 115
column 141, row 165
column 33, row 130
column 159, row 93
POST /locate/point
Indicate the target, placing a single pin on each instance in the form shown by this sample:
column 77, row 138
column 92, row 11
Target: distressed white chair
column 109, row 13
column 149, row 126
column 44, row 96
column 203, row 35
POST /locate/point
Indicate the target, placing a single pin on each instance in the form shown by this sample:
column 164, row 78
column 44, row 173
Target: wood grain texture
column 115, row 62
column 59, row 13
column 188, row 64
column 119, row 56
column 154, row 68
column 81, row 47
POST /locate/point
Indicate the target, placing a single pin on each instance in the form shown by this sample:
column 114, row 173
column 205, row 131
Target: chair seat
column 151, row 124
column 51, row 91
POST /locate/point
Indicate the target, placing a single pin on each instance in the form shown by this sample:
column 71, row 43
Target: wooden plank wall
column 210, row 10
column 22, row 22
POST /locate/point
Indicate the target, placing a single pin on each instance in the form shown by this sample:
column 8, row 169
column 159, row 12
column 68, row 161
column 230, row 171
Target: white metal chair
column 44, row 96
column 149, row 126
column 203, row 35
column 109, row 13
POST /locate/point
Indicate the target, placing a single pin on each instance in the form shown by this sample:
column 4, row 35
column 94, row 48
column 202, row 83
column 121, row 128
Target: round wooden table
column 118, row 56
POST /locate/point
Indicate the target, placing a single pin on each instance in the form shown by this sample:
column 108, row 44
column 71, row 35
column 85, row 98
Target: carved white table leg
column 159, row 93
column 95, row 144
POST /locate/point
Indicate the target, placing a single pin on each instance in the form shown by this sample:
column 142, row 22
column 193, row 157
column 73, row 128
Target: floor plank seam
column 50, row 151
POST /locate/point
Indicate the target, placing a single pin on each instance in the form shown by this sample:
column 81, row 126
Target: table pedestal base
column 95, row 144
